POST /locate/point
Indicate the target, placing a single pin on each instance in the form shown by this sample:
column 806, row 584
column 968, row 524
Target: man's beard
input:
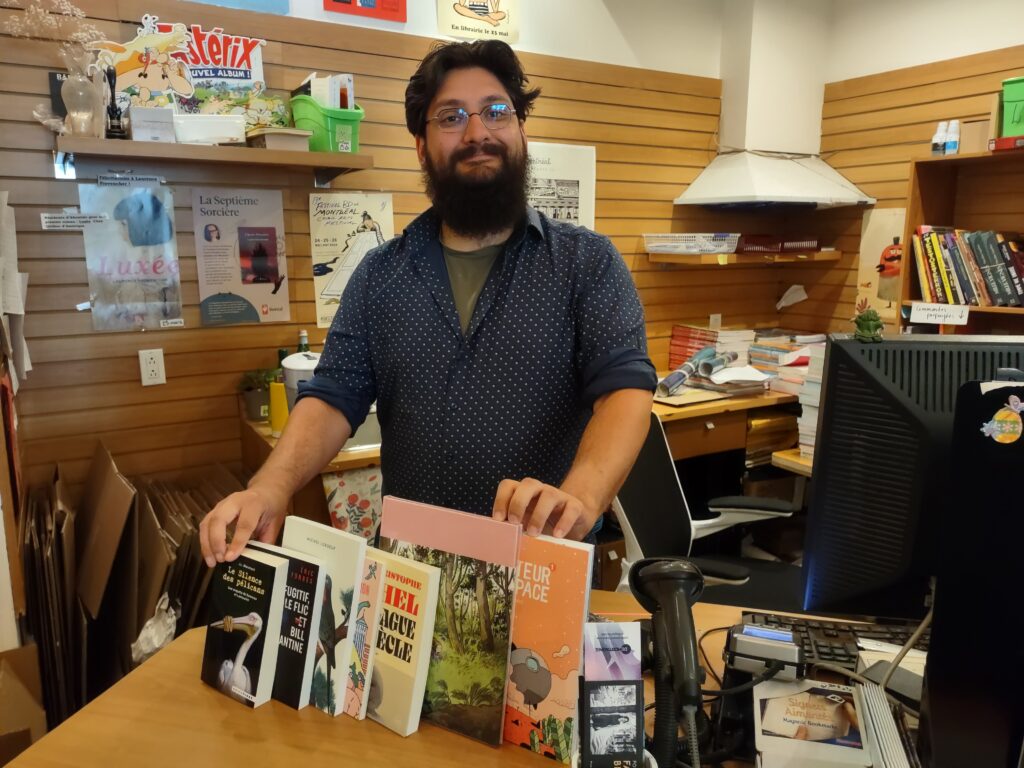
column 478, row 206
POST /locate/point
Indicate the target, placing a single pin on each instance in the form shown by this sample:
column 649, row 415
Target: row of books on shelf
column 981, row 268
column 457, row 618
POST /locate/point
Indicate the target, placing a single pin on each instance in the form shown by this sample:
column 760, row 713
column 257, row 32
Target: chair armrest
column 716, row 572
column 765, row 506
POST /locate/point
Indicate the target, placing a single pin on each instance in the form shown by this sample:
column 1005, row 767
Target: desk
column 692, row 430
column 792, row 461
column 162, row 715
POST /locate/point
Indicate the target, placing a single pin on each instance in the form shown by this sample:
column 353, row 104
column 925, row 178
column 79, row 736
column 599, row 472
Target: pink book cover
column 552, row 595
column 365, row 620
column 477, row 558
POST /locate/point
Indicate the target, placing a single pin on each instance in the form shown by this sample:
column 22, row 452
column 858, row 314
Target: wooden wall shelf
column 741, row 259
column 976, row 191
column 325, row 165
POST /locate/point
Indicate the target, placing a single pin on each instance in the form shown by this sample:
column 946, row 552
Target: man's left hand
column 540, row 507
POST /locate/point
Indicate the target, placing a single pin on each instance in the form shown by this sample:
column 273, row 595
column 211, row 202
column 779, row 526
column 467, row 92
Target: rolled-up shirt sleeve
column 344, row 375
column 611, row 337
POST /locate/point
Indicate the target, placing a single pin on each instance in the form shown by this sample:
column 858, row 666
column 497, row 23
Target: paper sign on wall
column 389, row 10
column 562, row 181
column 881, row 262
column 939, row 314
column 240, row 255
column 343, row 228
column 479, row 19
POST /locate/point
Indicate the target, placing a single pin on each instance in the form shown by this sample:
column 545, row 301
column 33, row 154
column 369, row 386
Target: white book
column 300, row 624
column 342, row 554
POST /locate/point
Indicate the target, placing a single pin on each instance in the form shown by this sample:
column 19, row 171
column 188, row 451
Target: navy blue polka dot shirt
column 557, row 325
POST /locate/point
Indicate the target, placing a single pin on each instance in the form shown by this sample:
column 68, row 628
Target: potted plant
column 255, row 389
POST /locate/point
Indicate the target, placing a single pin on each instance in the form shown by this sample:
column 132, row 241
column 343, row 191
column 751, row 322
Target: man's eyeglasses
column 455, row 120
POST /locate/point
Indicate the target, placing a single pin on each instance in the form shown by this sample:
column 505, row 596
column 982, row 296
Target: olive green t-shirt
column 467, row 271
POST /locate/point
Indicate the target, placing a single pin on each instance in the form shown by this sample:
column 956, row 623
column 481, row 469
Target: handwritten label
column 939, row 314
column 71, row 222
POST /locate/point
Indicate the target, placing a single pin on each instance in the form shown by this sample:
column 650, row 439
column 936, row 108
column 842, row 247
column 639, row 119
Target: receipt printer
column 752, row 648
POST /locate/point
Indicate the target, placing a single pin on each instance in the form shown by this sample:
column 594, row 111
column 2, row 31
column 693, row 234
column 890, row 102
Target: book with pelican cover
column 242, row 635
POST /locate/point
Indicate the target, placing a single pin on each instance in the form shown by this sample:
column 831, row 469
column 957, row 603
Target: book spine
column 984, row 296
column 940, row 263
column 963, row 275
column 959, row 296
column 995, row 257
column 1011, row 267
column 924, row 280
column 939, row 295
column 973, row 239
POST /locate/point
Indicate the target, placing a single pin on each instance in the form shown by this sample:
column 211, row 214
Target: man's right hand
column 257, row 513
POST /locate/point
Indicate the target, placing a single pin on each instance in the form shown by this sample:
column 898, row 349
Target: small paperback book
column 809, row 723
column 552, row 595
column 300, row 622
column 246, row 600
column 614, row 718
column 342, row 555
column 405, row 635
column 612, row 650
column 364, row 636
column 469, row 665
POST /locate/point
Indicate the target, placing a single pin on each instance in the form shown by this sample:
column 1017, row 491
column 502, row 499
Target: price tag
column 939, row 314
column 70, row 222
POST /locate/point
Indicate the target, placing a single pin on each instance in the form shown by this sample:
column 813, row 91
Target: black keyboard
column 835, row 642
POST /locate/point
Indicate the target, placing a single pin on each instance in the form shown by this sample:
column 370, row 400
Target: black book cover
column 245, row 600
column 612, row 723
column 303, row 601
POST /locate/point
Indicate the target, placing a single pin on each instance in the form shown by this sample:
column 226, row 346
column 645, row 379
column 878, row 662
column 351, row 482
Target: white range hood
column 760, row 178
column 769, row 137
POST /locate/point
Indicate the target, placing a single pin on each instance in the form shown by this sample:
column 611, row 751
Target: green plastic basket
column 1013, row 106
column 334, row 130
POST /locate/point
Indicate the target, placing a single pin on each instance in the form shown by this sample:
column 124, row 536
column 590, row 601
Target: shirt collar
column 427, row 224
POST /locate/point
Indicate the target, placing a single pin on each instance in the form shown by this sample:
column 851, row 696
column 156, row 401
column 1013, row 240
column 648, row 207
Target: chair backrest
column 652, row 500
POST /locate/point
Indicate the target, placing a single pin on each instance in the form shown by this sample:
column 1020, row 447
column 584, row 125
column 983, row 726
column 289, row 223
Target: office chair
column 655, row 518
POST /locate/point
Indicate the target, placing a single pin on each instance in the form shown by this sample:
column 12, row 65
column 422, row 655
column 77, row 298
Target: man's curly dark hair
column 496, row 57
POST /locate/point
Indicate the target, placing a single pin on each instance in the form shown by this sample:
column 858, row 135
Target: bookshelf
column 977, row 191
column 324, row 165
column 745, row 259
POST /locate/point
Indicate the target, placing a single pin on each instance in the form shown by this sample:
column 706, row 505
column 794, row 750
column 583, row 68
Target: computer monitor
column 881, row 471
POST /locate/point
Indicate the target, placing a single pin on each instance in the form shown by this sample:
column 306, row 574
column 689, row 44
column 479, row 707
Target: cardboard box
column 22, row 717
column 151, row 124
column 974, row 135
column 609, row 556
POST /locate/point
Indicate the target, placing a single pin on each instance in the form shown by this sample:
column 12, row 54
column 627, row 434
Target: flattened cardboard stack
column 95, row 574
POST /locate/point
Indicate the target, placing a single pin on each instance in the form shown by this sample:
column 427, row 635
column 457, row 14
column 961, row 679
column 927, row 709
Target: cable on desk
column 770, row 671
column 704, row 653
column 911, row 642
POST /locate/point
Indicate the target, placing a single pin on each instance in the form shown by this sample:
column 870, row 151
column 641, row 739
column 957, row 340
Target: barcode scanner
column 668, row 587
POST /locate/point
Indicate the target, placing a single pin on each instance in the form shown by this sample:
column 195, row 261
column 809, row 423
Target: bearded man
column 506, row 351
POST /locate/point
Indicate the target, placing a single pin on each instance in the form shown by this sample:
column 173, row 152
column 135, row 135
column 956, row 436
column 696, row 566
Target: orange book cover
column 552, row 595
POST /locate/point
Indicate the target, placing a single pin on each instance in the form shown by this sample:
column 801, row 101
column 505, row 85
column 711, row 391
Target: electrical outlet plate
column 151, row 367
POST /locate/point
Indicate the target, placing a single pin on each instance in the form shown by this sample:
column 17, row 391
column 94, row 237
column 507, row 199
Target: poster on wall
column 881, row 262
column 562, row 181
column 479, row 19
column 343, row 228
column 388, row 10
column 131, row 257
column 193, row 70
column 240, row 256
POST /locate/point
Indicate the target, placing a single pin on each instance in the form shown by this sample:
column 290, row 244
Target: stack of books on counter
column 737, row 341
column 458, row 619
column 686, row 341
column 768, row 431
column 810, row 399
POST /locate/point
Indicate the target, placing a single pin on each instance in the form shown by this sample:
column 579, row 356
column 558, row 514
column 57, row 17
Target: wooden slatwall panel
column 652, row 131
column 871, row 128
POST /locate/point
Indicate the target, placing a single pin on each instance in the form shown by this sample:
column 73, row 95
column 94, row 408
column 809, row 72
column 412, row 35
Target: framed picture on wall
column 389, row 10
